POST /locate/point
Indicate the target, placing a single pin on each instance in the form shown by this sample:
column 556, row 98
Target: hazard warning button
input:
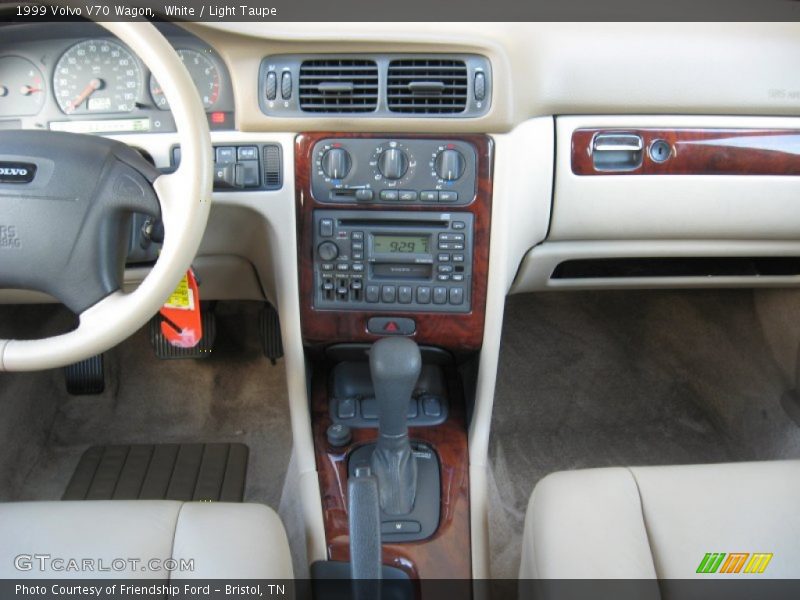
column 391, row 326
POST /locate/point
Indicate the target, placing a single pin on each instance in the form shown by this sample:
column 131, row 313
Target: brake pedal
column 86, row 377
column 166, row 351
column 269, row 329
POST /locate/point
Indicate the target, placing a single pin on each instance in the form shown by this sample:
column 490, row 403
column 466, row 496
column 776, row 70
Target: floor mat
column 594, row 379
column 200, row 472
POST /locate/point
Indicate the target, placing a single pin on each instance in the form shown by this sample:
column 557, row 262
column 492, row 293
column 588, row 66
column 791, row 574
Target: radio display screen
column 401, row 244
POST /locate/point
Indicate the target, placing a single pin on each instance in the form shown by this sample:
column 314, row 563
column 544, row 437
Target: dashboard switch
column 272, row 85
column 364, row 195
column 326, row 228
column 286, row 85
column 480, row 86
column 226, row 154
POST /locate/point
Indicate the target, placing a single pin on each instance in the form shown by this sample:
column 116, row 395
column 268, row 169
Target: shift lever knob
column 394, row 365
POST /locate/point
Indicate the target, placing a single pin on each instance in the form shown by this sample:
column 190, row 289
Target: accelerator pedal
column 86, row 377
column 269, row 329
column 166, row 351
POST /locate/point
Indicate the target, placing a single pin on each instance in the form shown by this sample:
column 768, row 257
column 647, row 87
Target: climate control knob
column 328, row 251
column 393, row 163
column 336, row 163
column 449, row 165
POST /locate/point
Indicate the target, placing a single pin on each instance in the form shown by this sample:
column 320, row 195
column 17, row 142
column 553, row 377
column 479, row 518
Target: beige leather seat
column 79, row 539
column 631, row 523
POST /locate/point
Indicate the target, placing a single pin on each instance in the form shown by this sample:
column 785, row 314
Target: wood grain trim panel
column 445, row 555
column 457, row 332
column 702, row 152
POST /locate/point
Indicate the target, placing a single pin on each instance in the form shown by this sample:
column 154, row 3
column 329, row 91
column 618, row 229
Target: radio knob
column 328, row 251
column 393, row 163
column 336, row 163
column 449, row 165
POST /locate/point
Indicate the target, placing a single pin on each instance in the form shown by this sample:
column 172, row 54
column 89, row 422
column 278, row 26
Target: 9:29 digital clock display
column 401, row 244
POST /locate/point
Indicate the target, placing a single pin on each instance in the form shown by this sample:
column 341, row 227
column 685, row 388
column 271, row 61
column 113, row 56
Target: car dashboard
column 378, row 179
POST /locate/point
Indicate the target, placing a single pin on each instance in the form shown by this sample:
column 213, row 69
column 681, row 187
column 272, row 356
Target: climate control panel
column 393, row 171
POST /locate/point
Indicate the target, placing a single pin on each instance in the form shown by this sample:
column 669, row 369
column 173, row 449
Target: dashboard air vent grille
column 427, row 86
column 338, row 85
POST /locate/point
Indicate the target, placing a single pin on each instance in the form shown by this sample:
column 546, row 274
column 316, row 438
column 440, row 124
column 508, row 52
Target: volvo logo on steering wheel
column 17, row 172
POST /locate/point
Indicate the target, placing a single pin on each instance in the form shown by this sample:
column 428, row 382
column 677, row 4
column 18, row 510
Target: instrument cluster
column 75, row 77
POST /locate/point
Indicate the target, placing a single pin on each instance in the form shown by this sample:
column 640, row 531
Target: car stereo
column 392, row 260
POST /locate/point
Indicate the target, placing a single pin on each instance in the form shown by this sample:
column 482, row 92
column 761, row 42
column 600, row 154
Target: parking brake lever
column 365, row 535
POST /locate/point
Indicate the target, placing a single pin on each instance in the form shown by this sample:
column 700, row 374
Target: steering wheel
column 65, row 200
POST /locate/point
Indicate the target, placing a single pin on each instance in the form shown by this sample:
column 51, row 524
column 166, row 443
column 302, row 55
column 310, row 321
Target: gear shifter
column 395, row 365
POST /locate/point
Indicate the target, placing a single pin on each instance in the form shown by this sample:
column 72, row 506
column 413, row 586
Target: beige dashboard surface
column 545, row 68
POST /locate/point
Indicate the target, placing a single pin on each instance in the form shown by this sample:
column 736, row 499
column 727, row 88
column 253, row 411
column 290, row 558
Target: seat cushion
column 96, row 539
column 646, row 522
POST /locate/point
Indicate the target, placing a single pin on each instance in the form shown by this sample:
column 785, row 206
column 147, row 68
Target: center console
column 393, row 241
column 393, row 237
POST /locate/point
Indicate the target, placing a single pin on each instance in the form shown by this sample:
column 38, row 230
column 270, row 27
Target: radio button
column 457, row 246
column 442, row 277
column 328, row 251
column 458, row 258
column 342, row 267
column 445, row 246
column 404, row 294
column 457, row 295
column 390, row 195
column 358, row 245
column 358, row 256
column 443, row 258
column 451, row 237
column 358, row 267
column 407, row 195
column 327, row 266
column 388, row 294
column 439, row 295
column 458, row 277
column 373, row 293
column 326, row 228
column 448, row 196
column 445, row 268
column 429, row 196
column 357, row 235
column 459, row 225
column 423, row 294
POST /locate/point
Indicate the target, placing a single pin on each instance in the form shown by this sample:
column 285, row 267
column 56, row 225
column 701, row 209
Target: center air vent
column 338, row 86
column 427, row 86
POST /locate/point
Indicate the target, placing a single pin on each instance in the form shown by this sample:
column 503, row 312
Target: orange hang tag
column 181, row 323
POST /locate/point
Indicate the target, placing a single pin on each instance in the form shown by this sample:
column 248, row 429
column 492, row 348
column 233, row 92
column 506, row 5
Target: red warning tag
column 182, row 324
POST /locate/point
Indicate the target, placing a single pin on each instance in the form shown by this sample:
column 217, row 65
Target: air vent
column 338, row 86
column 427, row 86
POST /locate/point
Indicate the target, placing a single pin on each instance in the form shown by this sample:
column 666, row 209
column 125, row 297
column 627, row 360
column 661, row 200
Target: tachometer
column 204, row 75
column 97, row 76
column 21, row 87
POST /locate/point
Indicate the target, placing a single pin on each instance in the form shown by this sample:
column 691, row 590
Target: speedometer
column 97, row 76
column 204, row 74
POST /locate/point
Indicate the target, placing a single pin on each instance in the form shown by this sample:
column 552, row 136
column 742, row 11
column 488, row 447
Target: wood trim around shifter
column 445, row 555
column 454, row 331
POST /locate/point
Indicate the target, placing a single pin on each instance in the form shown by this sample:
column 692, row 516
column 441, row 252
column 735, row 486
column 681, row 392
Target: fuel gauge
column 21, row 87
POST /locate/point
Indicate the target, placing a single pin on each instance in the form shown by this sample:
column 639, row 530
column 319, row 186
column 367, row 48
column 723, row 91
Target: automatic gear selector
column 407, row 473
